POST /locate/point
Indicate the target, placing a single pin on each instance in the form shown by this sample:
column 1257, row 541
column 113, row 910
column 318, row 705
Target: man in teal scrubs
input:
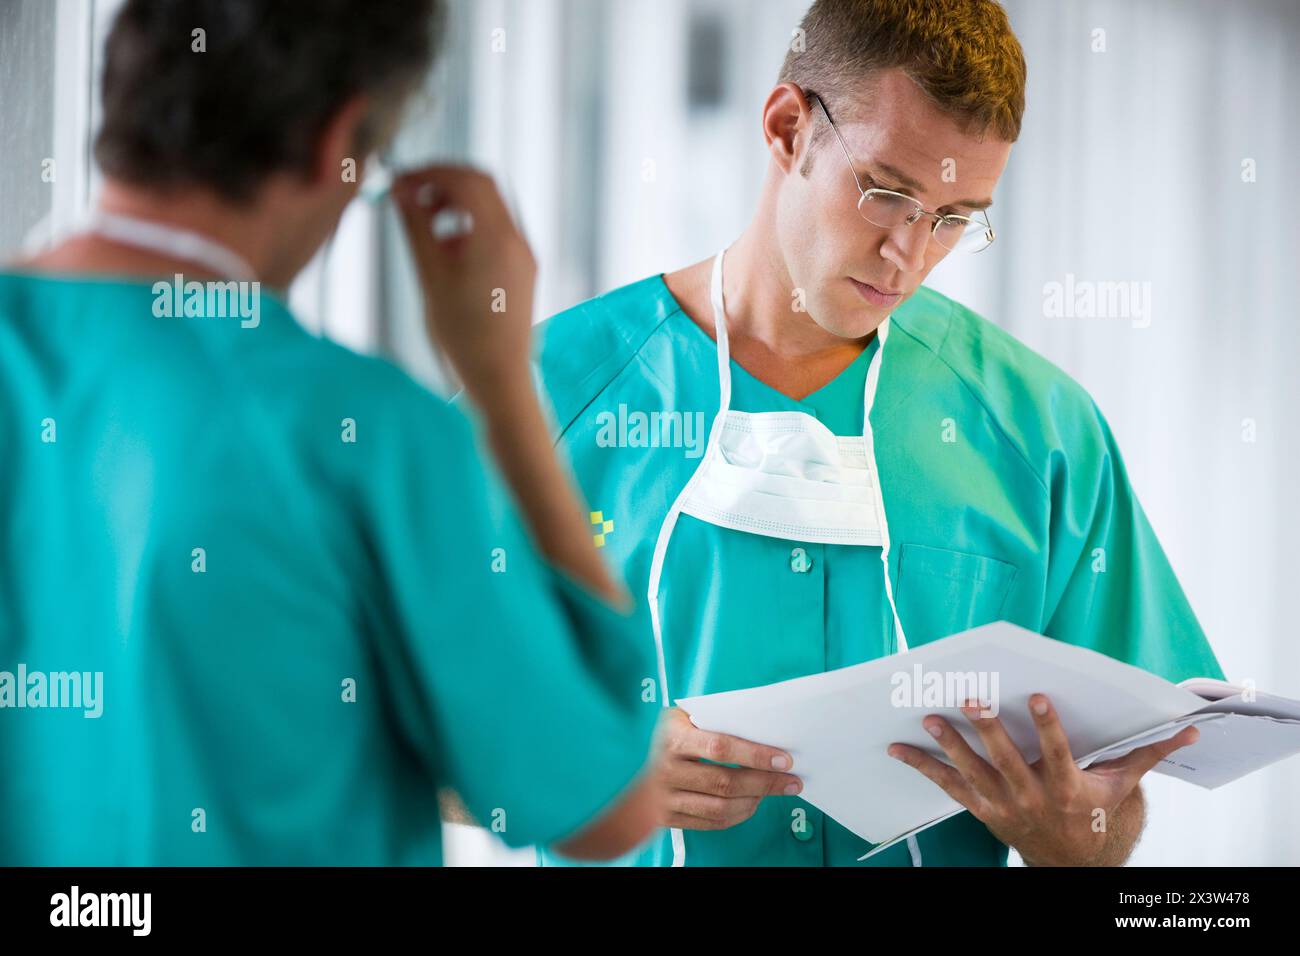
column 265, row 597
column 1001, row 492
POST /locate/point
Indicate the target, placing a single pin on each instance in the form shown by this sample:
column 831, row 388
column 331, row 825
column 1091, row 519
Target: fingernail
column 1039, row 705
column 781, row 762
column 934, row 730
column 792, row 789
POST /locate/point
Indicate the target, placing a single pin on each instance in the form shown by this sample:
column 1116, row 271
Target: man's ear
column 787, row 121
column 337, row 155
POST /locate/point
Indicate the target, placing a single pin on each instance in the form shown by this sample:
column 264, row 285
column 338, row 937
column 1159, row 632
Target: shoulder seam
column 633, row 354
column 953, row 305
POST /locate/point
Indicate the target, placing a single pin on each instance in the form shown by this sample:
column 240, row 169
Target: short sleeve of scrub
column 1113, row 588
column 520, row 689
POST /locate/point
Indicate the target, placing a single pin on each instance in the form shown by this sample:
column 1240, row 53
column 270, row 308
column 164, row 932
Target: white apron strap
column 670, row 522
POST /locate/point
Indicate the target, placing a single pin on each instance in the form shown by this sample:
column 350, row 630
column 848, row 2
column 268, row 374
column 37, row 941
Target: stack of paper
column 837, row 725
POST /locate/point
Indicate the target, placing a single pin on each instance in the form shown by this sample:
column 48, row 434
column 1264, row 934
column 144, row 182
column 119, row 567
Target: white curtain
column 1169, row 158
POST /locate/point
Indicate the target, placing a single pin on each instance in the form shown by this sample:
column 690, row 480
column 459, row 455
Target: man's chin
column 856, row 323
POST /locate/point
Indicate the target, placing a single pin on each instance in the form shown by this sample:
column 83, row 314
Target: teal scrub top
column 311, row 603
column 1005, row 494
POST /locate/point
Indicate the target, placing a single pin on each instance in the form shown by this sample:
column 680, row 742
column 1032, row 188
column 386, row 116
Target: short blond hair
column 961, row 53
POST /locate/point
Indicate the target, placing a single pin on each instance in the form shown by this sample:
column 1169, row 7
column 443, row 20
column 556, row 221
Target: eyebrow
column 909, row 183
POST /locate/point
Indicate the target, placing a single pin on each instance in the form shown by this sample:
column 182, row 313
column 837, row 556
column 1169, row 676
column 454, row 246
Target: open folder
column 836, row 725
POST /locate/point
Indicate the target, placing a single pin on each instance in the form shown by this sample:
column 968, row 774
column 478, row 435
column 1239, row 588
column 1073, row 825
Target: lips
column 875, row 295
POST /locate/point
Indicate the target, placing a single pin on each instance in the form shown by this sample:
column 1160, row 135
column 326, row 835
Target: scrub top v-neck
column 831, row 595
column 740, row 610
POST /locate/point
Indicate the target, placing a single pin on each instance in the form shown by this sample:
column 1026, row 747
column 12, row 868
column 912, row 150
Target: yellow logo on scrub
column 606, row 528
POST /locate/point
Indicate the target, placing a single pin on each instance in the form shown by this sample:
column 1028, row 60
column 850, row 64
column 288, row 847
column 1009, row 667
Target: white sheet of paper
column 836, row 725
column 1230, row 746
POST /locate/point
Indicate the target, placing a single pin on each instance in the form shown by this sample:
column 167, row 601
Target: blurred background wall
column 1158, row 149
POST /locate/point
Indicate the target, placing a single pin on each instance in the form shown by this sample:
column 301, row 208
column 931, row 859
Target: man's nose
column 905, row 246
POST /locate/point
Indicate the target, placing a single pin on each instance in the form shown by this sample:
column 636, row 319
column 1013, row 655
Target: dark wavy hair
column 256, row 100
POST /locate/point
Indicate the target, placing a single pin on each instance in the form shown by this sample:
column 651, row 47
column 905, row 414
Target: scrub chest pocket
column 942, row 592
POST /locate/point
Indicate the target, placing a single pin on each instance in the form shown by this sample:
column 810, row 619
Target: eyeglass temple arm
column 843, row 145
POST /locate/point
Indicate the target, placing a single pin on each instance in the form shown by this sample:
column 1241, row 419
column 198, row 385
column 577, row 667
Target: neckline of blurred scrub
column 153, row 236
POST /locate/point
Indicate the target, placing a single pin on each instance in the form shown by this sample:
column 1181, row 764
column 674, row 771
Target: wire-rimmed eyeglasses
column 889, row 209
